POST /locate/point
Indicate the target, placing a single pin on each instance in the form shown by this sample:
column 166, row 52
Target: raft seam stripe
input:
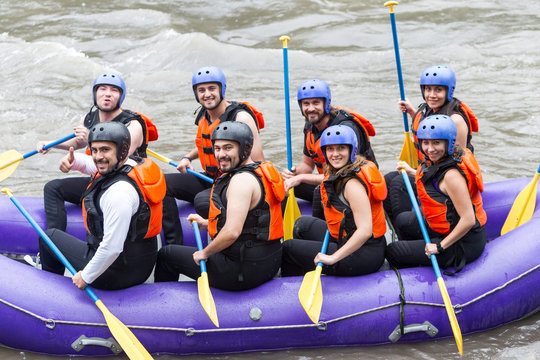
column 193, row 331
column 498, row 288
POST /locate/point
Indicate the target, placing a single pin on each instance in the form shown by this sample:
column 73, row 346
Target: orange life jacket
column 338, row 214
column 151, row 128
column 362, row 121
column 149, row 181
column 150, row 132
column 454, row 107
column 366, row 129
column 437, row 207
column 205, row 128
column 265, row 221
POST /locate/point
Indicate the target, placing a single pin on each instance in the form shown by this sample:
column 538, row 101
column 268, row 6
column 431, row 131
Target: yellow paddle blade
column 310, row 294
column 408, row 152
column 129, row 343
column 9, row 161
column 206, row 299
column 158, row 156
column 292, row 213
column 523, row 208
column 451, row 315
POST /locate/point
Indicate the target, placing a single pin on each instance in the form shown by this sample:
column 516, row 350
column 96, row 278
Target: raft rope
column 393, row 234
column 402, row 302
column 322, row 325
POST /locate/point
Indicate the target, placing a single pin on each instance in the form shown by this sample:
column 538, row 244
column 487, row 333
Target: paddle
column 292, row 211
column 205, row 296
column 523, row 208
column 10, row 159
column 129, row 343
column 169, row 161
column 440, row 280
column 310, row 293
column 407, row 152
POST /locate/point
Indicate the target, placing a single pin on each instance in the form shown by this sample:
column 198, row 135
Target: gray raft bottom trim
column 322, row 325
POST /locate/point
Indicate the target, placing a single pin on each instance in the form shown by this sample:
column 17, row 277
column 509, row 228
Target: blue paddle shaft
column 287, row 106
column 200, row 176
column 398, row 65
column 324, row 246
column 199, row 243
column 48, row 146
column 421, row 221
column 192, row 172
column 49, row 242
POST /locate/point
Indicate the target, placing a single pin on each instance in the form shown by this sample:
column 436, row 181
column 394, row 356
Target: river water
column 50, row 51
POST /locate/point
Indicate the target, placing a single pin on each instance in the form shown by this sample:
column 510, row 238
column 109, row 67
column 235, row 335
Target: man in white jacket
column 121, row 217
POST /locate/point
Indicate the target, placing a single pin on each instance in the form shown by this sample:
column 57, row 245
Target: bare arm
column 136, row 132
column 455, row 186
column 256, row 152
column 403, row 165
column 185, row 163
column 356, row 195
column 462, row 130
column 243, row 194
column 78, row 142
column 406, row 106
column 303, row 173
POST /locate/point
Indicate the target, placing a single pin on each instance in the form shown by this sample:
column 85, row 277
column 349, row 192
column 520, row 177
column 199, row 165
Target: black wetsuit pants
column 410, row 253
column 311, row 193
column 187, row 187
column 56, row 192
column 127, row 270
column 260, row 264
column 308, row 233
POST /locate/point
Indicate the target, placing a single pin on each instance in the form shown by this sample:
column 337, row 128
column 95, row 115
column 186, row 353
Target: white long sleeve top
column 118, row 204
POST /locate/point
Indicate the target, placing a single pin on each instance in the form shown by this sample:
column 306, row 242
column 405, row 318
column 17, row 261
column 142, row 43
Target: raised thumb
column 71, row 156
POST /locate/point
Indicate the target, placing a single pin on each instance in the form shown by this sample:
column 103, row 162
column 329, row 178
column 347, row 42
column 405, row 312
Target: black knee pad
column 302, row 226
column 407, row 226
column 387, row 203
column 399, row 196
column 396, row 251
column 201, row 203
column 317, row 209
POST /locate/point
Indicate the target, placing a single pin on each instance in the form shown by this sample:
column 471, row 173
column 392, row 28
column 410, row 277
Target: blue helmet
column 315, row 89
column 208, row 74
column 339, row 134
column 439, row 75
column 438, row 127
column 109, row 79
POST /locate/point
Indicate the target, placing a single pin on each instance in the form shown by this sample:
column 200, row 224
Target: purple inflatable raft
column 45, row 313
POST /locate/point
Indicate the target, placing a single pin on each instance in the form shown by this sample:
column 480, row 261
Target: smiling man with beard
column 122, row 209
column 245, row 219
column 209, row 87
column 314, row 99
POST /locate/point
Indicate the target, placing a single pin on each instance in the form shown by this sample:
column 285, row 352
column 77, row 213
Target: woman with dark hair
column 352, row 192
column 449, row 182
